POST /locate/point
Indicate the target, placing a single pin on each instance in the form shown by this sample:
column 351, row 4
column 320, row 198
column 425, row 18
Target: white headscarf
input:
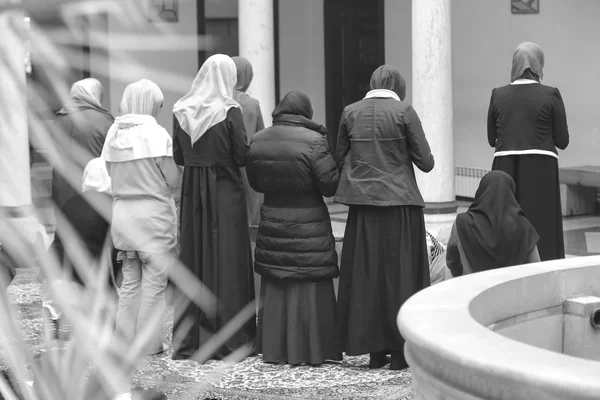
column 87, row 92
column 96, row 178
column 210, row 97
column 143, row 97
column 136, row 134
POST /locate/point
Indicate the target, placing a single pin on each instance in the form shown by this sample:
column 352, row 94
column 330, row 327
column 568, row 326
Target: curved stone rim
column 446, row 345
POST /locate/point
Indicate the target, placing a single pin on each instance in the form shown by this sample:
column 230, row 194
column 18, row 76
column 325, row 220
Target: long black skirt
column 538, row 193
column 215, row 246
column 384, row 262
column 297, row 322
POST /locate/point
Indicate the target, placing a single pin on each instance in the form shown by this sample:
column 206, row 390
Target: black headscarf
column 390, row 78
column 296, row 109
column 494, row 231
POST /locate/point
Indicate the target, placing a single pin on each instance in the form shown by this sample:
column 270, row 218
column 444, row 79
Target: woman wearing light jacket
column 139, row 157
column 384, row 257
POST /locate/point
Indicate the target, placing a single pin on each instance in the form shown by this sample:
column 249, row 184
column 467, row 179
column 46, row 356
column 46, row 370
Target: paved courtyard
column 253, row 379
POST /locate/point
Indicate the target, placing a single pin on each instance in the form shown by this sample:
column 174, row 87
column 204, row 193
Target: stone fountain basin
column 499, row 334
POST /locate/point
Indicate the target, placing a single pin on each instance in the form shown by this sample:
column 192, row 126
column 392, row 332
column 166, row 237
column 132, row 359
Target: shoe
column 50, row 325
column 378, row 360
column 162, row 350
column 398, row 361
column 65, row 330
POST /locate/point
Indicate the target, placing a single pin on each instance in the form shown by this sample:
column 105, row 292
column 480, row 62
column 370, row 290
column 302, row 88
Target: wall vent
column 467, row 180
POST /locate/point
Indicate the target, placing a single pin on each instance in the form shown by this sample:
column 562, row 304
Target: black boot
column 379, row 360
column 398, row 361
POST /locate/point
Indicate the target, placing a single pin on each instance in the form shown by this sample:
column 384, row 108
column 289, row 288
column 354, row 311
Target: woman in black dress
column 494, row 232
column 295, row 249
column 526, row 123
column 384, row 257
column 209, row 140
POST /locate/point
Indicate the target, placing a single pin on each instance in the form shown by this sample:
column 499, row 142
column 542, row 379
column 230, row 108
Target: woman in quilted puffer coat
column 295, row 251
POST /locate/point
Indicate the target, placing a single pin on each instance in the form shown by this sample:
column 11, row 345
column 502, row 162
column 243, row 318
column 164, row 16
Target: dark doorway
column 354, row 48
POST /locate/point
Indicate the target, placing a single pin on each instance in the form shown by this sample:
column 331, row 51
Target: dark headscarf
column 296, row 109
column 390, row 78
column 494, row 231
column 244, row 73
column 528, row 62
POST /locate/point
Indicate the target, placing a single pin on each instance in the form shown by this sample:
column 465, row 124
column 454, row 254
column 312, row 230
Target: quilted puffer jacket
column 290, row 163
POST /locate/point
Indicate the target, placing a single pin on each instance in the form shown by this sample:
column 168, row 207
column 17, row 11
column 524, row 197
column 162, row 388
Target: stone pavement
column 253, row 379
column 249, row 379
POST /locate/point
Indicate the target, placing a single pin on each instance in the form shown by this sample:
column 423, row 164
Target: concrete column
column 14, row 145
column 15, row 184
column 432, row 99
column 257, row 45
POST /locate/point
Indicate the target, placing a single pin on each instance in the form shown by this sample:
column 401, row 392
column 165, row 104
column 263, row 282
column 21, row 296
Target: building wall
column 398, row 39
column 302, row 51
column 172, row 69
column 484, row 36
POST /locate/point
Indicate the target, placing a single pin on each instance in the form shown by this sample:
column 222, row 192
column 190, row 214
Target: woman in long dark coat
column 209, row 140
column 295, row 249
column 80, row 130
column 527, row 121
column 384, row 257
column 253, row 122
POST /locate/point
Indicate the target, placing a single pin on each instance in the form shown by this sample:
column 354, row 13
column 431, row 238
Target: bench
column 578, row 190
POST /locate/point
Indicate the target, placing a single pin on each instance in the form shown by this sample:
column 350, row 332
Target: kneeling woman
column 494, row 232
column 295, row 250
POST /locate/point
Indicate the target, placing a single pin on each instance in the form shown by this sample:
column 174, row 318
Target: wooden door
column 354, row 48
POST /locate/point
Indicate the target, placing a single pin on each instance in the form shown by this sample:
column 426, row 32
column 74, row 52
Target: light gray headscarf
column 244, row 73
column 527, row 56
column 85, row 94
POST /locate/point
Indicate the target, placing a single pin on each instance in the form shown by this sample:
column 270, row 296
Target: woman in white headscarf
column 139, row 157
column 527, row 123
column 80, row 130
column 209, row 140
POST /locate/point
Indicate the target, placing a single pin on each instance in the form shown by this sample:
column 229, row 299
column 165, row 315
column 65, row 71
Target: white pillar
column 15, row 183
column 255, row 18
column 432, row 99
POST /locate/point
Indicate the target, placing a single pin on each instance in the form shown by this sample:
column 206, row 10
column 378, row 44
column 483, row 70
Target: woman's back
column 527, row 117
column 380, row 139
column 222, row 145
column 143, row 206
column 282, row 161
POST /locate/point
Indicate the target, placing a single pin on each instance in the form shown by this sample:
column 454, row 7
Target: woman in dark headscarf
column 253, row 122
column 295, row 249
column 494, row 232
column 527, row 122
column 80, row 130
column 384, row 257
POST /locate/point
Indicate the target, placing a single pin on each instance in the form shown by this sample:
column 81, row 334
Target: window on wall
column 225, row 35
